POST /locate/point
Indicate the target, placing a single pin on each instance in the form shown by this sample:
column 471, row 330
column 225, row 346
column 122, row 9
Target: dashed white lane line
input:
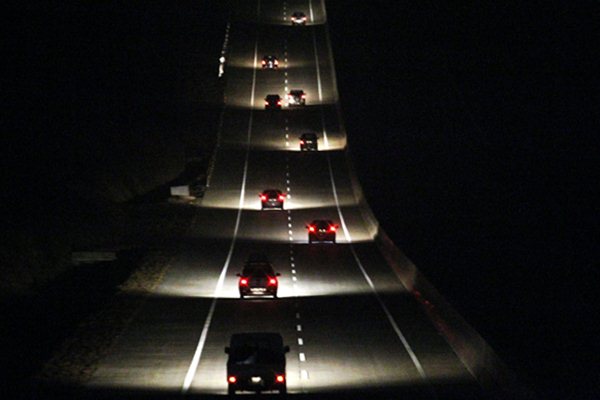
column 299, row 328
column 304, row 374
column 293, row 271
column 297, row 315
column 300, row 341
column 302, row 357
column 294, row 278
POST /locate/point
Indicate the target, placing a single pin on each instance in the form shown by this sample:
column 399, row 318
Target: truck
column 256, row 363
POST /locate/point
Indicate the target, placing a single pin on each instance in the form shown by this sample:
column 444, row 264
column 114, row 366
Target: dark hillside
column 480, row 158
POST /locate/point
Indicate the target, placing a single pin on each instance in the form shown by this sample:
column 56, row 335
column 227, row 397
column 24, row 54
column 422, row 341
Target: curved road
column 353, row 329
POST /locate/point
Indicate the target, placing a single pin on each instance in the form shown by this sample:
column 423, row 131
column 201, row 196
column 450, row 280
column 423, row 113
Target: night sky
column 474, row 129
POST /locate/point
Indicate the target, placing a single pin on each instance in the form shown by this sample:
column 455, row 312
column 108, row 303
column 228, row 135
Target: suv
column 270, row 62
column 308, row 142
column 256, row 362
column 272, row 198
column 298, row 18
column 273, row 101
column 296, row 98
column 321, row 230
column 258, row 277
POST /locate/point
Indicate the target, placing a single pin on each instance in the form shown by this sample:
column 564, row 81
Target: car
column 296, row 97
column 258, row 277
column 308, row 142
column 272, row 198
column 270, row 62
column 321, row 230
column 256, row 362
column 298, row 18
column 273, row 101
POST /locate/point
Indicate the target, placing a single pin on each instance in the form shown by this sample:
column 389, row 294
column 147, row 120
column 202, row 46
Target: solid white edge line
column 319, row 87
column 389, row 316
column 189, row 377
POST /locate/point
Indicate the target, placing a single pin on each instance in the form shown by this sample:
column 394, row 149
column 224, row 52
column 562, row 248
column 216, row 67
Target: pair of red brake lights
column 279, row 378
column 312, row 228
column 244, row 281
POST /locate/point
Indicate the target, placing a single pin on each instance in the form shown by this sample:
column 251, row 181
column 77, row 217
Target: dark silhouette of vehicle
column 270, row 62
column 298, row 18
column 272, row 198
column 321, row 230
column 308, row 142
column 296, row 97
column 256, row 362
column 273, row 101
column 258, row 278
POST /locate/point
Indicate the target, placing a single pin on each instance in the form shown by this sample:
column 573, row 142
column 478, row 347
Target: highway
column 353, row 328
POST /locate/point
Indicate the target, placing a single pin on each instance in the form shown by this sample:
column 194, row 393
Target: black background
column 474, row 128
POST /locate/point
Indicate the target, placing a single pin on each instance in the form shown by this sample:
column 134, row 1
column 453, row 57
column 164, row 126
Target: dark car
column 272, row 198
column 256, row 362
column 296, row 97
column 258, row 277
column 273, row 101
column 270, row 62
column 308, row 142
column 321, row 230
column 298, row 18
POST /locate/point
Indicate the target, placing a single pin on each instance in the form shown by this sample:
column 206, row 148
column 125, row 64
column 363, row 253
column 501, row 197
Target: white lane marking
column 293, row 271
column 337, row 202
column 302, row 357
column 319, row 87
column 189, row 377
column 299, row 328
column 297, row 315
column 389, row 316
column 294, row 278
column 290, row 232
column 304, row 374
column 312, row 16
column 300, row 342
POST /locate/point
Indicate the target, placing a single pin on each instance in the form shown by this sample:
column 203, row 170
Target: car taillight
column 243, row 282
column 332, row 228
column 264, row 62
column 276, row 62
column 281, row 197
column 303, row 96
column 263, row 197
column 279, row 102
column 272, row 281
column 311, row 228
column 231, row 379
column 302, row 142
column 280, row 378
column 266, row 103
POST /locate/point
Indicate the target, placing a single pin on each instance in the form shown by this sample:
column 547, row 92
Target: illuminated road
column 352, row 326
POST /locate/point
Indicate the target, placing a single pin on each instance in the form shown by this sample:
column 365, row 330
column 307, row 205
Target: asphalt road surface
column 353, row 329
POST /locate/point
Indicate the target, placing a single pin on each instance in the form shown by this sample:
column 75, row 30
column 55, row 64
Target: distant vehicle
column 272, row 198
column 296, row 97
column 321, row 230
column 273, row 101
column 270, row 62
column 256, row 362
column 308, row 142
column 298, row 18
column 258, row 277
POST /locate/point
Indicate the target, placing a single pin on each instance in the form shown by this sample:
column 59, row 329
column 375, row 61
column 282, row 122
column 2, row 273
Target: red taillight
column 332, row 228
column 281, row 197
column 263, row 197
column 266, row 103
column 302, row 142
column 279, row 102
column 280, row 378
column 231, row 379
column 243, row 282
column 264, row 62
column 303, row 96
column 311, row 228
column 272, row 281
